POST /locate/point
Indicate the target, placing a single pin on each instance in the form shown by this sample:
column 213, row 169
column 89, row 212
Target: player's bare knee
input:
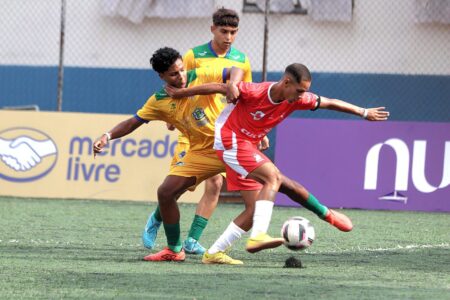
column 274, row 179
column 165, row 193
column 213, row 185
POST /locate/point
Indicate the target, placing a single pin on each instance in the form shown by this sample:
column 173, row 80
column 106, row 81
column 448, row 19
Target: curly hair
column 163, row 58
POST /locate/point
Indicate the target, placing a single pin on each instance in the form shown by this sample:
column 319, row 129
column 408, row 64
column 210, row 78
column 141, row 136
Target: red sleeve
column 244, row 88
column 307, row 101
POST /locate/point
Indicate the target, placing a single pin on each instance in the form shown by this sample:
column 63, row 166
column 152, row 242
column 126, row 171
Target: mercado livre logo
column 26, row 154
column 81, row 166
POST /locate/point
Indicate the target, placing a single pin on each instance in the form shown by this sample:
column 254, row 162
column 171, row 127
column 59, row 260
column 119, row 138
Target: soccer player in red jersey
column 239, row 128
column 260, row 107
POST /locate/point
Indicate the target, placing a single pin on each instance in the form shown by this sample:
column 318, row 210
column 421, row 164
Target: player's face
column 294, row 90
column 175, row 75
column 224, row 36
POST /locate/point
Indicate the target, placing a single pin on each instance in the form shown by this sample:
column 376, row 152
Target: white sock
column 261, row 217
column 228, row 237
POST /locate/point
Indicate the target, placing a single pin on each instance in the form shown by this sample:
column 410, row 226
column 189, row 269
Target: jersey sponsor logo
column 202, row 53
column 235, row 56
column 252, row 135
column 200, row 116
column 26, row 154
column 258, row 115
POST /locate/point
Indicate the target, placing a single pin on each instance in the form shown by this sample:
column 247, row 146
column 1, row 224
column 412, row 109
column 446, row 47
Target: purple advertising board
column 367, row 165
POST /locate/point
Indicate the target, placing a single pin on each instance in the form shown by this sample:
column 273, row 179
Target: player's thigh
column 201, row 165
column 236, row 181
column 244, row 157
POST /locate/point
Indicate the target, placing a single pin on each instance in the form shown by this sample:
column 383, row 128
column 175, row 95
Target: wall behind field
column 382, row 57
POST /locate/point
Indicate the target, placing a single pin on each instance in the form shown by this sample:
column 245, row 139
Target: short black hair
column 163, row 58
column 299, row 72
column 225, row 17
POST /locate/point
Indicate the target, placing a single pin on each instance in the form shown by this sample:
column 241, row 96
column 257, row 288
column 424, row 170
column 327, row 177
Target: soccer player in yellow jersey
column 220, row 53
column 194, row 117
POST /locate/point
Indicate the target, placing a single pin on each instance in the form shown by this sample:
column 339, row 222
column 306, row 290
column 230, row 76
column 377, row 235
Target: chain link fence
column 393, row 53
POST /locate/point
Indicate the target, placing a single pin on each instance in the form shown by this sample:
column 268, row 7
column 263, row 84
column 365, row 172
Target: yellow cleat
column 263, row 241
column 219, row 258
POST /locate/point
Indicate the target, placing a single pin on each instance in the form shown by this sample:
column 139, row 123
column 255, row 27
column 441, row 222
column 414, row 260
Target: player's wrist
column 108, row 136
column 365, row 113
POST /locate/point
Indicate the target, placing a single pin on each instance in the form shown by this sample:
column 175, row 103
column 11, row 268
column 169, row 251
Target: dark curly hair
column 163, row 58
column 225, row 17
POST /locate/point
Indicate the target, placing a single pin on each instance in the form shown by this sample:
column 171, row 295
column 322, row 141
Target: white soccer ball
column 298, row 233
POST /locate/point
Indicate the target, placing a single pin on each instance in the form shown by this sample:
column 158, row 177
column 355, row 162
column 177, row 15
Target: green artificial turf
column 92, row 249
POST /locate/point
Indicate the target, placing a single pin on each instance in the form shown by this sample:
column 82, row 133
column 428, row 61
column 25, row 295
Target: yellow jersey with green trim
column 194, row 116
column 204, row 56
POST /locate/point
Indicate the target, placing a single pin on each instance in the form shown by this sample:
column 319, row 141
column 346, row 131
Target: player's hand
column 99, row 144
column 232, row 93
column 377, row 114
column 170, row 127
column 264, row 144
column 173, row 92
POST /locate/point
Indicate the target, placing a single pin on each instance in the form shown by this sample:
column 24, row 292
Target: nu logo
column 402, row 167
column 26, row 154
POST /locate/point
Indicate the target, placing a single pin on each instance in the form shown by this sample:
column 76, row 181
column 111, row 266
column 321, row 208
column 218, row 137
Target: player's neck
column 276, row 93
column 219, row 51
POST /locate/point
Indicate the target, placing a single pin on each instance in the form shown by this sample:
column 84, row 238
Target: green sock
column 315, row 206
column 173, row 236
column 157, row 214
column 197, row 227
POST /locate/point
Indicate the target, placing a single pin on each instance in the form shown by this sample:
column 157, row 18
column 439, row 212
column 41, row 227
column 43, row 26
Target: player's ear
column 213, row 27
column 286, row 80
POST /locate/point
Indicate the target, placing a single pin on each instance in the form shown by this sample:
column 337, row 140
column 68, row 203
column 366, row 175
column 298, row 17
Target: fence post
column 61, row 56
column 266, row 40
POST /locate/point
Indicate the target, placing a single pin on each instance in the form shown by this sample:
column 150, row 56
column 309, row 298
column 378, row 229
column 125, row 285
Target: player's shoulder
column 255, row 88
column 160, row 95
column 257, row 85
column 202, row 51
column 237, row 55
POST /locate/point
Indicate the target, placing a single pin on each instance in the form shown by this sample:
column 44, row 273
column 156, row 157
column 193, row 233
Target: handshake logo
column 28, row 154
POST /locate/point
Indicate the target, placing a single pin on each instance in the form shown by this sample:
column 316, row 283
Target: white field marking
column 396, row 248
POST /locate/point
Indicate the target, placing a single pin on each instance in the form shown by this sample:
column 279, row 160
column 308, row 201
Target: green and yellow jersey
column 204, row 56
column 194, row 116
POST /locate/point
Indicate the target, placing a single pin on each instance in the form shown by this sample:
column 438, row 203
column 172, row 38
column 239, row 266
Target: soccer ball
column 298, row 233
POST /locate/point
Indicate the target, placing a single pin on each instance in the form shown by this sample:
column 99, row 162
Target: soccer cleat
column 192, row 246
column 338, row 220
column 219, row 258
column 150, row 231
column 166, row 255
column 262, row 241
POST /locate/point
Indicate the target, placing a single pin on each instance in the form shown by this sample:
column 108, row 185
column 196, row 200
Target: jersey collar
column 268, row 95
column 214, row 52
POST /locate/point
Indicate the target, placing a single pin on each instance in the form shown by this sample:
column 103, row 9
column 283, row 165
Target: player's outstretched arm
column 203, row 89
column 123, row 128
column 371, row 114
